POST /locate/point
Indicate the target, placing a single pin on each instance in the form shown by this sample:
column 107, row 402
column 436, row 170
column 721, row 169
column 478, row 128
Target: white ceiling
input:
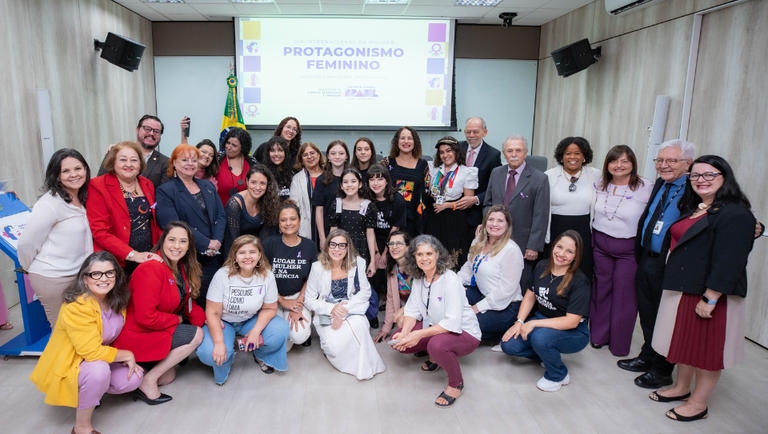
column 530, row 12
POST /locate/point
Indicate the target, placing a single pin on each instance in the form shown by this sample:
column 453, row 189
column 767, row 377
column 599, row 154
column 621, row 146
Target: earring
column 258, row 264
column 237, row 265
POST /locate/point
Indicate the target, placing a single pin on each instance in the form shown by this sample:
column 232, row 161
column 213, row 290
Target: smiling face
column 363, row 151
column 148, row 134
column 337, row 156
column 338, row 253
column 310, row 158
column 426, row 258
column 447, row 155
column 515, row 152
column 257, row 185
column 127, row 164
column 232, row 148
column 564, row 252
column 186, row 165
column 496, row 225
column 672, row 172
column 276, row 155
column 100, row 287
column 706, row 189
column 377, row 185
column 246, row 258
column 620, row 168
column 397, row 250
column 405, row 141
column 290, row 129
column 72, row 175
column 474, row 132
column 176, row 244
column 289, row 221
column 573, row 158
column 350, row 185
column 207, row 154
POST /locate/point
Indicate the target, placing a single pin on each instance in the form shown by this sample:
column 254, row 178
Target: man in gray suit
column 525, row 192
column 148, row 134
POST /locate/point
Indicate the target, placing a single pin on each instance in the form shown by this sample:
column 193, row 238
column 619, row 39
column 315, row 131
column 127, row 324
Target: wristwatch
column 130, row 255
column 708, row 300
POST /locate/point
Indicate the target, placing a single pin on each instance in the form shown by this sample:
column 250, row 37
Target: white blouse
column 571, row 203
column 56, row 239
column 497, row 277
column 466, row 177
column 448, row 305
column 618, row 212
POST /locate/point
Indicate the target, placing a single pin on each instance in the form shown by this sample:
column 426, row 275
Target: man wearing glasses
column 148, row 134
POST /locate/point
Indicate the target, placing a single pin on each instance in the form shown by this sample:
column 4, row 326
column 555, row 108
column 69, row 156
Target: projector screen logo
column 437, row 50
column 362, row 93
column 252, row 47
column 252, row 110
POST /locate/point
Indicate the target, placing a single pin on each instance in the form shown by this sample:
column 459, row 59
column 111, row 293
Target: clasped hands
column 407, row 340
column 519, row 329
column 338, row 315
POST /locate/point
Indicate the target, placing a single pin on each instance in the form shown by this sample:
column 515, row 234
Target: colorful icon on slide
column 437, row 50
column 252, row 48
column 252, row 110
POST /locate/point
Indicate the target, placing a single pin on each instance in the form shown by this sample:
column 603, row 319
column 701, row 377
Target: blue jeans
column 493, row 323
column 547, row 345
column 273, row 352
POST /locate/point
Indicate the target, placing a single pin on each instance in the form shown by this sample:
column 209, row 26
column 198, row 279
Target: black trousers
column 648, row 285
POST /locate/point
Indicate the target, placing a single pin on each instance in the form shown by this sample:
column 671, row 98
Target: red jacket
column 150, row 321
column 108, row 215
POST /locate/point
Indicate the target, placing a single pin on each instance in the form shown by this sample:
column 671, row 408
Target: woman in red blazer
column 122, row 212
column 162, row 324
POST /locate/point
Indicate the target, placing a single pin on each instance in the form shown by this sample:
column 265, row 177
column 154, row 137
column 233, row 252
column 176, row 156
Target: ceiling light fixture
column 386, row 2
column 252, row 1
column 486, row 3
column 162, row 1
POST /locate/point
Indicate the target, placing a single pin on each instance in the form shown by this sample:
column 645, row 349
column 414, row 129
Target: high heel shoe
column 162, row 399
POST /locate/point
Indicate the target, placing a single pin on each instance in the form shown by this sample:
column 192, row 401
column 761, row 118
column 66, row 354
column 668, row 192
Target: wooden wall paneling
column 567, row 29
column 728, row 118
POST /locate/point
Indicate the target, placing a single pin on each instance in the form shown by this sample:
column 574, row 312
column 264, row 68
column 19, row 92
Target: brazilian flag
column 233, row 117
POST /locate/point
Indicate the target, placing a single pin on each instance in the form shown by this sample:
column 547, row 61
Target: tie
column 655, row 218
column 471, row 158
column 510, row 188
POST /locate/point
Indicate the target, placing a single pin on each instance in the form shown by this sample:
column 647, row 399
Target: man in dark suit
column 148, row 134
column 525, row 192
column 486, row 158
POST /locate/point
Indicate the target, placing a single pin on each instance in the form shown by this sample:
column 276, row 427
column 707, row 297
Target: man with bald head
column 486, row 158
column 525, row 192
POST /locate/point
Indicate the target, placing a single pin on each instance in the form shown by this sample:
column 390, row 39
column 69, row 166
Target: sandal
column 659, row 398
column 6, row 326
column 449, row 399
column 430, row 367
column 264, row 367
column 678, row 417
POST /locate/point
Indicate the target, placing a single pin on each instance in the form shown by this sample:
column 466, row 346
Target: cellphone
column 186, row 130
column 393, row 342
column 241, row 344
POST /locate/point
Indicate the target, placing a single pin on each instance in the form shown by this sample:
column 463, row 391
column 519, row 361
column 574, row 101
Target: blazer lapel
column 522, row 181
column 210, row 197
column 113, row 185
column 151, row 164
column 189, row 199
column 694, row 230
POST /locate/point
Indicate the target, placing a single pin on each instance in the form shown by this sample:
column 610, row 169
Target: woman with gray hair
column 438, row 317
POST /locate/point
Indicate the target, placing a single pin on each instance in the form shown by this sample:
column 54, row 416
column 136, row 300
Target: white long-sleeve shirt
column 448, row 305
column 497, row 277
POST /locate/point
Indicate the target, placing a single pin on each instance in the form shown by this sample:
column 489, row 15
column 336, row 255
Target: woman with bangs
column 235, row 163
column 309, row 166
column 327, row 186
column 242, row 300
column 281, row 167
column 290, row 130
column 195, row 202
column 208, row 163
column 253, row 211
column 162, row 324
column 363, row 155
column 338, row 293
column 560, row 325
column 408, row 171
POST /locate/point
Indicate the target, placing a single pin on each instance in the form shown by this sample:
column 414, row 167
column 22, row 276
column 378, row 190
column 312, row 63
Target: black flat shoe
column 634, row 365
column 702, row 415
column 382, row 307
column 430, row 367
column 374, row 323
column 660, row 398
column 162, row 399
column 421, row 354
column 307, row 343
column 595, row 346
column 652, row 380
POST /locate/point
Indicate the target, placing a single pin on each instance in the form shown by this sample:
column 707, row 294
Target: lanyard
column 441, row 180
column 429, row 290
column 475, row 266
column 666, row 205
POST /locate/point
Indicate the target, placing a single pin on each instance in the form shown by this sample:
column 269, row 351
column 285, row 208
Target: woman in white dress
column 338, row 292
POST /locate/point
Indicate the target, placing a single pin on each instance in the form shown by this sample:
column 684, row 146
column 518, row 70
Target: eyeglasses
column 341, row 246
column 96, row 275
column 397, row 244
column 669, row 161
column 147, row 129
column 308, row 154
column 708, row 176
column 295, row 130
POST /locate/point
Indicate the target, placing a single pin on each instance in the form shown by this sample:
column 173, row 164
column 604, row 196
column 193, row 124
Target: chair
column 537, row 162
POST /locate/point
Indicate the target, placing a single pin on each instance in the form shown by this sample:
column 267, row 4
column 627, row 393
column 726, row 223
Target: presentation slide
column 345, row 73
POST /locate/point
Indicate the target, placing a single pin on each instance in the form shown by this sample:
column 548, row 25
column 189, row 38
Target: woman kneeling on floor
column 438, row 317
column 560, row 325
column 242, row 299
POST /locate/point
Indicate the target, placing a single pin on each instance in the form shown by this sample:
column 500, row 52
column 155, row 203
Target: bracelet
column 520, row 321
column 454, row 206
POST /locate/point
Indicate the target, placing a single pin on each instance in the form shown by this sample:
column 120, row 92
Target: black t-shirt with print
column 290, row 265
column 389, row 214
column 325, row 196
column 575, row 300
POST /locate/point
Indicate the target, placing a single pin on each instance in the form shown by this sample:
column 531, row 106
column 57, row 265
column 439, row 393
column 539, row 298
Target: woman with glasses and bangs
column 309, row 166
column 398, row 283
column 338, row 292
column 290, row 131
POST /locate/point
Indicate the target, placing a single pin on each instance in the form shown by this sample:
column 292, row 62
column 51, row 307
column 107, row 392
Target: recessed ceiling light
column 163, row 1
column 386, row 2
column 477, row 2
column 252, row 1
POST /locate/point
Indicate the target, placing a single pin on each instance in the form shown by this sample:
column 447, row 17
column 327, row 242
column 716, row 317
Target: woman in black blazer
column 195, row 202
column 700, row 324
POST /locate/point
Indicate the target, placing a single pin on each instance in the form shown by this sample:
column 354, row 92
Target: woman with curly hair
column 572, row 186
column 235, row 163
column 408, row 171
column 254, row 211
column 290, row 130
column 438, row 318
column 281, row 167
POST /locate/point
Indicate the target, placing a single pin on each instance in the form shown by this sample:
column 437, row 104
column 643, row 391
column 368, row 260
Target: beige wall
column 645, row 54
column 49, row 44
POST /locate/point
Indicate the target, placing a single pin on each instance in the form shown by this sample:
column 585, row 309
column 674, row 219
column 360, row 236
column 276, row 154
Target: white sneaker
column 497, row 348
column 552, row 386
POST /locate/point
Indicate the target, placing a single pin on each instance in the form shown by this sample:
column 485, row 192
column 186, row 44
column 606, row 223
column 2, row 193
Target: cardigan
column 301, row 195
column 558, row 183
column 712, row 253
column 109, row 218
column 76, row 338
column 56, row 239
column 319, row 288
column 150, row 321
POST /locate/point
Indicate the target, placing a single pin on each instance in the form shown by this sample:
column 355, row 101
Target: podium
column 37, row 330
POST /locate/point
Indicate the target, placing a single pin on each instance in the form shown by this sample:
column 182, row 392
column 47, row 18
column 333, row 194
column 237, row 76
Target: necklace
column 703, row 206
column 131, row 194
column 573, row 179
column 246, row 282
column 298, row 241
column 605, row 204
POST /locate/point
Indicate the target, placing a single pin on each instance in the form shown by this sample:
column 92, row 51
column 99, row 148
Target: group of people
column 159, row 257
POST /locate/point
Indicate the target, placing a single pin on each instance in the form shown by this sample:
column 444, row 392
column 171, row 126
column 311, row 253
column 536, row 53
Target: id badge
column 439, row 200
column 657, row 228
column 425, row 323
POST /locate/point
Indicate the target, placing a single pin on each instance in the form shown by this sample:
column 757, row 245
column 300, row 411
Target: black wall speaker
column 120, row 51
column 575, row 57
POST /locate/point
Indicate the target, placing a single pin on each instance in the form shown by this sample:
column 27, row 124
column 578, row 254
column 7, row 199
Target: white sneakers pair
column 552, row 386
